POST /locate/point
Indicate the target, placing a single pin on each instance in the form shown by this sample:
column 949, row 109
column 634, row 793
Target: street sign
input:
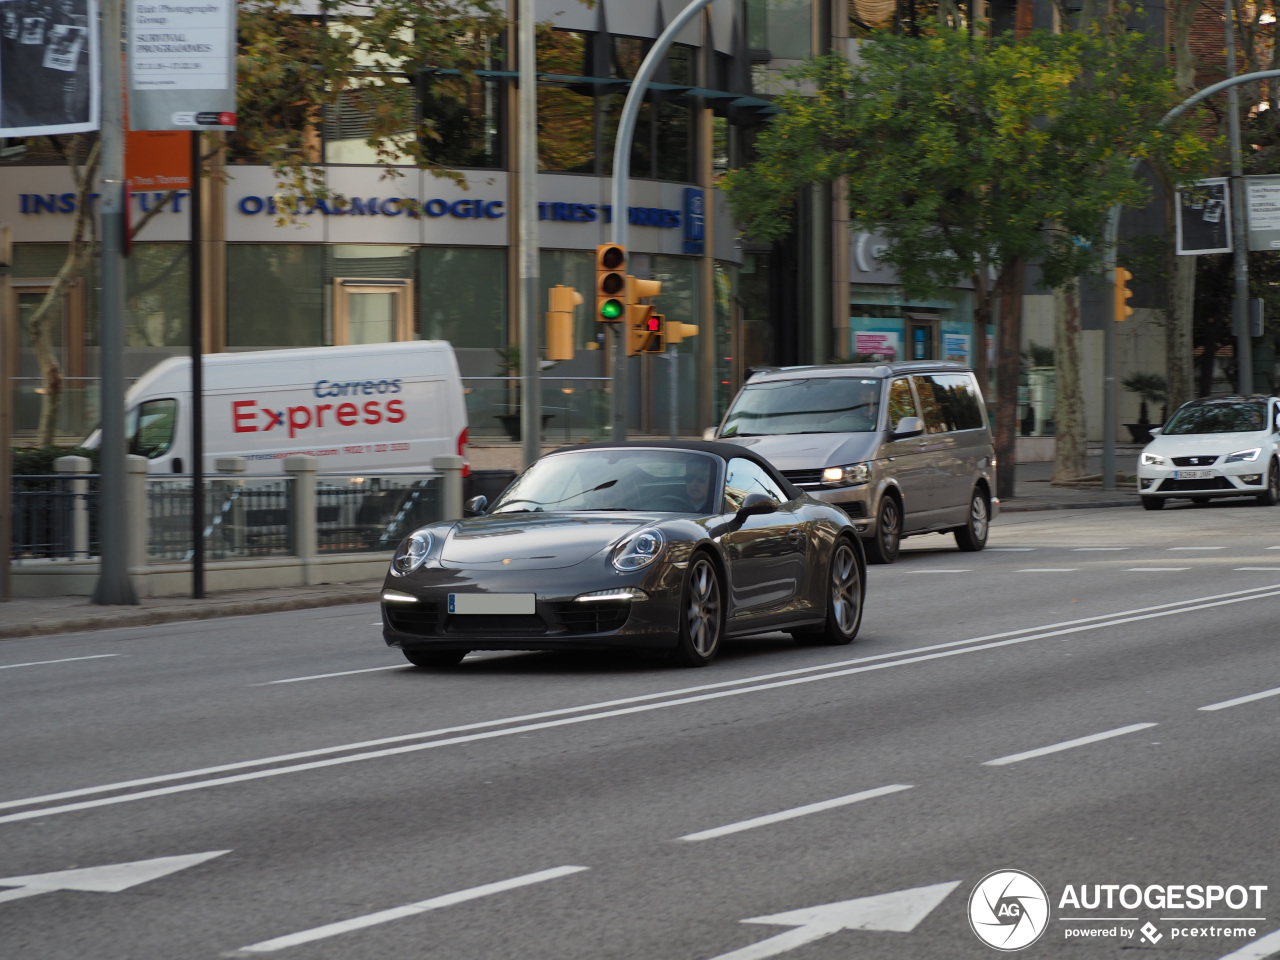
column 182, row 65
column 49, row 84
column 1263, row 196
column 898, row 912
column 111, row 878
column 1204, row 218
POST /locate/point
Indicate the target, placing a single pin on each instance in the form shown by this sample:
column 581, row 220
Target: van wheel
column 884, row 546
column 435, row 659
column 972, row 537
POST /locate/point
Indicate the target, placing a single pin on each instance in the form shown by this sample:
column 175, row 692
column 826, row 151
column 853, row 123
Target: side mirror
column 476, row 506
column 709, row 433
column 757, row 504
column 908, row 427
column 1154, row 431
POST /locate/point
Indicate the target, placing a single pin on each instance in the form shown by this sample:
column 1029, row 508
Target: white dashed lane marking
column 1068, row 744
column 793, row 813
column 1048, row 569
column 1197, row 548
column 1239, row 700
column 1154, row 569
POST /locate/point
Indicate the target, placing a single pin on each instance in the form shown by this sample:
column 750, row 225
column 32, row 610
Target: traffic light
column 560, row 303
column 673, row 331
column 641, row 330
column 611, row 282
column 654, row 328
column 1122, row 294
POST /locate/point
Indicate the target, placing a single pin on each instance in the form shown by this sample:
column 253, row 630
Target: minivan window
column 949, row 401
column 901, row 402
column 149, row 428
column 808, row 405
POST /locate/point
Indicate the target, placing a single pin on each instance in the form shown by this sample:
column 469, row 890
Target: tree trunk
column 1070, row 452
column 1178, row 333
column 1008, row 369
column 981, row 317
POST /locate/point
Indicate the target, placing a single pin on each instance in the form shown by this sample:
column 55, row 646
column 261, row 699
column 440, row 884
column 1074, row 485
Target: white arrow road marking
column 1068, row 744
column 109, row 879
column 898, row 912
column 794, row 812
column 408, row 910
column 1268, row 946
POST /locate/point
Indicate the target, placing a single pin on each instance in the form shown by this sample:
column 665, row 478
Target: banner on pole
column 1263, row 194
column 1204, row 218
column 182, row 65
column 48, row 67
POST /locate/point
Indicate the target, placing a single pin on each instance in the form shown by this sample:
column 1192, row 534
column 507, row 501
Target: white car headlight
column 411, row 553
column 1152, row 460
column 846, row 476
column 638, row 551
column 1243, row 456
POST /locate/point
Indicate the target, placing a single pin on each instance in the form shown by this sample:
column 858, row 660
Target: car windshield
column 1218, row 416
column 664, row 481
column 809, row 405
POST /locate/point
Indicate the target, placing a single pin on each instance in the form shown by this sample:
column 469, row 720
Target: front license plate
column 500, row 603
column 1192, row 474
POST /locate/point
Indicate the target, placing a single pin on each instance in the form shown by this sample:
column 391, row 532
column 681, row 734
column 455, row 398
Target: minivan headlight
column 1152, row 460
column 1243, row 456
column 639, row 551
column 847, row 475
column 411, row 553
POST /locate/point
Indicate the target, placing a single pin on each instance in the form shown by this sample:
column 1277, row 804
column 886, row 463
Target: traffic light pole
column 1113, row 236
column 1239, row 236
column 621, row 173
column 531, row 387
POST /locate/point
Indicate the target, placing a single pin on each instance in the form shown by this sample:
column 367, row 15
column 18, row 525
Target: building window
column 782, row 28
column 275, row 295
column 462, row 298
column 466, row 118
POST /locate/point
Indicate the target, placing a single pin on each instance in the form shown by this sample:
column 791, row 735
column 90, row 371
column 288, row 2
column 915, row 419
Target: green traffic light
column 611, row 309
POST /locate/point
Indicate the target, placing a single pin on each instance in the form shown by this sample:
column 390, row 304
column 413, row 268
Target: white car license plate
column 1192, row 474
column 500, row 603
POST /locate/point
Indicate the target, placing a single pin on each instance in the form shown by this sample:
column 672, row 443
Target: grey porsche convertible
column 664, row 546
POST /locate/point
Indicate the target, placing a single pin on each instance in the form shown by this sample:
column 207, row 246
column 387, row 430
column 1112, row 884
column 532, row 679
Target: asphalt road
column 548, row 807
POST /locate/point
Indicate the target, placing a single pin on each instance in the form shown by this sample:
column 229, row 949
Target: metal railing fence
column 55, row 516
column 357, row 513
column 244, row 517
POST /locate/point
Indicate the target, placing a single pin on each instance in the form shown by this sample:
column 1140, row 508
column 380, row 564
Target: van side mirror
column 756, row 504
column 908, row 427
column 476, row 506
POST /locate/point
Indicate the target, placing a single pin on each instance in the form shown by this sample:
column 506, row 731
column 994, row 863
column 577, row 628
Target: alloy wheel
column 978, row 519
column 703, row 613
column 846, row 588
column 890, row 522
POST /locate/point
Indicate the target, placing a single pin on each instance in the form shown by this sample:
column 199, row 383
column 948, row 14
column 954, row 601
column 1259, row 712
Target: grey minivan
column 902, row 448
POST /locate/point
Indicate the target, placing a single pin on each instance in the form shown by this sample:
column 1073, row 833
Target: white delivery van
column 380, row 407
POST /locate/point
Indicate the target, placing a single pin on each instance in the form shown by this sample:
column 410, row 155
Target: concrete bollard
column 231, row 465
column 450, row 468
column 303, row 515
column 78, row 484
column 233, row 529
column 137, row 515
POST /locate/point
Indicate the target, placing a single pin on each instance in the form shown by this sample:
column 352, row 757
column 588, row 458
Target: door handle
column 795, row 535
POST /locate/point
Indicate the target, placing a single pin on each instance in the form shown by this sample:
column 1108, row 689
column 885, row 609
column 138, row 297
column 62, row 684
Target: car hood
column 812, row 451
column 1205, row 444
column 529, row 541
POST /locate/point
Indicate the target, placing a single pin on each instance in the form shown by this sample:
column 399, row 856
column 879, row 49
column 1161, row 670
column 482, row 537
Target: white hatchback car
column 1216, row 447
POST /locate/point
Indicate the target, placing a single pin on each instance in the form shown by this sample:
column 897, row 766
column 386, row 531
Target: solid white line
column 348, row 673
column 856, row 666
column 1048, row 569
column 1239, row 700
column 1268, row 946
column 41, row 663
column 1154, row 569
column 793, row 813
column 1197, row 548
column 1068, row 744
column 1097, row 549
column 408, row 910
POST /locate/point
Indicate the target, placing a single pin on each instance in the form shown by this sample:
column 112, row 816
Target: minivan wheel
column 884, row 546
column 1272, row 495
column 972, row 537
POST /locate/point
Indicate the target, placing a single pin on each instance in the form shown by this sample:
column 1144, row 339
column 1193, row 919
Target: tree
column 972, row 156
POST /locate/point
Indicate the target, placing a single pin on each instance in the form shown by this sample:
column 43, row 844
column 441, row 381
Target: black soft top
column 725, row 451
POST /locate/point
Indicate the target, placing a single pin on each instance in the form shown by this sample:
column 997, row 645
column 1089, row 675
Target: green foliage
column 1149, row 387
column 1039, row 355
column 29, row 461
column 968, row 153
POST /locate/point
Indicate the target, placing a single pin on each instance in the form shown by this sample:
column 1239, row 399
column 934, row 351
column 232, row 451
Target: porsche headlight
column 639, row 551
column 411, row 553
column 846, row 476
column 1243, row 456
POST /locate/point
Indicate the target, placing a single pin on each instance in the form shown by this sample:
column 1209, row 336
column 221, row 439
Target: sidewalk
column 1034, row 492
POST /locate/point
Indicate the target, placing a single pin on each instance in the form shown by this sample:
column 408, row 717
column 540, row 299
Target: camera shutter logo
column 1008, row 910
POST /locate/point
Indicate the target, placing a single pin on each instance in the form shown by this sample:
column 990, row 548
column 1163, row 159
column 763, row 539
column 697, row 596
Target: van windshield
column 809, row 405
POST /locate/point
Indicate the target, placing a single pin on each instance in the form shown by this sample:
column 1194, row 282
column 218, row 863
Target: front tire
column 1272, row 495
column 885, row 545
column 435, row 659
column 701, row 614
column 972, row 537
column 1153, row 503
column 846, row 590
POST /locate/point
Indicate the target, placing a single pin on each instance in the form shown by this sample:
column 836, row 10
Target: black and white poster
column 48, row 67
column 1204, row 218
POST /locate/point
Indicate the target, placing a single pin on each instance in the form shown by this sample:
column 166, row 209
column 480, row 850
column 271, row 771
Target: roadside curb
column 209, row 610
column 1014, row 507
